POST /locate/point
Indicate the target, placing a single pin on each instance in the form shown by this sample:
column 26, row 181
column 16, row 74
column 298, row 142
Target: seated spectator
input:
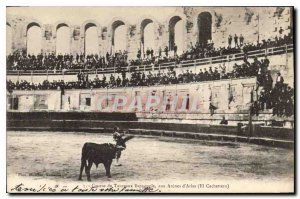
column 254, row 108
column 267, row 82
column 262, row 99
column 212, row 109
column 224, row 121
column 279, row 80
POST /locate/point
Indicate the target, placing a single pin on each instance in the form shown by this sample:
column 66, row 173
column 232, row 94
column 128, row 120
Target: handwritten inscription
column 85, row 189
column 111, row 188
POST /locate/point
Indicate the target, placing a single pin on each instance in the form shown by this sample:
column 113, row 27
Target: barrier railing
column 186, row 63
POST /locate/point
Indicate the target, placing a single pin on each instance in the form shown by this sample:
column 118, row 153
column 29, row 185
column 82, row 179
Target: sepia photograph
column 149, row 100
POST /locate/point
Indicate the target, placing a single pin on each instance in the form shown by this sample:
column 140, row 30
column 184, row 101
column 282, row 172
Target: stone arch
column 171, row 20
column 113, row 25
column 94, row 43
column 63, row 46
column 33, row 43
column 116, row 22
column 9, row 39
column 171, row 29
column 141, row 25
column 30, row 23
column 178, row 14
column 90, row 23
column 33, row 24
column 9, row 20
column 59, row 24
column 144, row 21
column 204, row 26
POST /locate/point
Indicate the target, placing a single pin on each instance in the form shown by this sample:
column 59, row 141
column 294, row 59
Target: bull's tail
column 83, row 160
column 84, row 153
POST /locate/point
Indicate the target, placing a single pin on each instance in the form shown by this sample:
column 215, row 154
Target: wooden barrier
column 105, row 122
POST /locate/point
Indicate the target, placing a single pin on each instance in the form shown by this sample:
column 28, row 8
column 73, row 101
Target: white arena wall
column 229, row 96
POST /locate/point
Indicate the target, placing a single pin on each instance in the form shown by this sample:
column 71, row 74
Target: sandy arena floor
column 55, row 156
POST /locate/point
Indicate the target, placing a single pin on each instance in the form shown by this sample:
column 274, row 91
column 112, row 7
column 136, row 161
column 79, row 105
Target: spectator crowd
column 21, row 61
column 279, row 98
column 119, row 60
column 137, row 78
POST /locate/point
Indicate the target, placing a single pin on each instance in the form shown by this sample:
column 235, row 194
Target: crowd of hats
column 119, row 60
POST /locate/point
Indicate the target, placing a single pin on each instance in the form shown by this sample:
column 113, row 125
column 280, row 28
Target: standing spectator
column 223, row 71
column 148, row 52
column 206, row 75
column 236, row 41
column 175, row 49
column 266, row 62
column 279, row 81
column 268, row 99
column 79, row 76
column 241, row 40
column 210, row 71
column 139, row 54
column 255, row 66
column 260, row 76
column 166, row 51
column 274, row 100
column 229, row 40
column 280, row 103
column 107, row 57
column 268, row 82
column 151, row 53
column 289, row 103
column 77, row 58
column 159, row 52
column 280, row 32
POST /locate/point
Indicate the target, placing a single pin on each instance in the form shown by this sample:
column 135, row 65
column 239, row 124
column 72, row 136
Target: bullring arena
column 210, row 105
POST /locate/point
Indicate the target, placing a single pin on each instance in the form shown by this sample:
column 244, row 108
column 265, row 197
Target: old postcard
column 150, row 99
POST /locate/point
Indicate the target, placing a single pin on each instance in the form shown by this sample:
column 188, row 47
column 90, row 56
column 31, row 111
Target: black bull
column 99, row 153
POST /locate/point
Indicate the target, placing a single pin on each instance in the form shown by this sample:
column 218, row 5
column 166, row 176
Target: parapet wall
column 271, row 136
column 228, row 96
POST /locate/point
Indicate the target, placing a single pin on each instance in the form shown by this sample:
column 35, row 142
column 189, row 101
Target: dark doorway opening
column 204, row 27
column 173, row 21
